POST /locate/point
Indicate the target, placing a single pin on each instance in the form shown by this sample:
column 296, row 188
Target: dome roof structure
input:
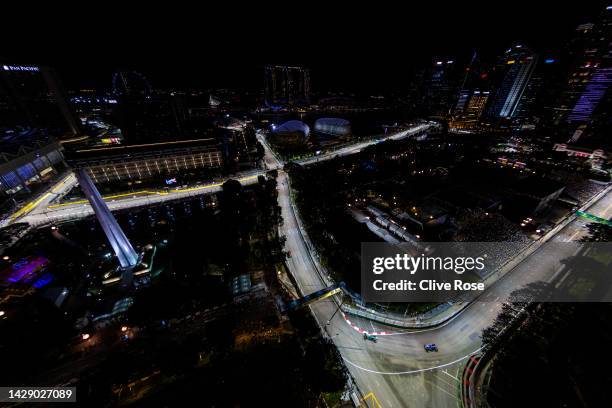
column 293, row 126
column 333, row 126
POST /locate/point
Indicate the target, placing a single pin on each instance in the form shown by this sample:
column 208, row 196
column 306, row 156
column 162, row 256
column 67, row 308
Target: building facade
column 441, row 87
column 472, row 109
column 27, row 162
column 513, row 73
column 286, row 85
column 147, row 161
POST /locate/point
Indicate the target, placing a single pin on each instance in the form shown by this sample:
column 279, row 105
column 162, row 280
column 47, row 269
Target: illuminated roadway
column 44, row 200
column 81, row 208
column 357, row 147
column 396, row 369
column 42, row 210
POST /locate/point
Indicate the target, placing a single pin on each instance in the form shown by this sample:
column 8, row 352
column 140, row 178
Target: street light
column 85, row 336
column 124, row 328
column 1, row 313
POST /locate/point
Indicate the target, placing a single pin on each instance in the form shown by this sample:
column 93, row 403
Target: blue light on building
column 592, row 95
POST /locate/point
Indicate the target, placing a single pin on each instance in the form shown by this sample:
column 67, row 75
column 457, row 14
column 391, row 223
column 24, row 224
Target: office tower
column 441, row 87
column 477, row 104
column 538, row 103
column 464, row 90
column 540, row 95
column 472, row 97
column 587, row 97
column 462, row 101
column 525, row 114
column 286, row 85
column 510, row 79
column 472, row 105
column 32, row 97
column 589, row 58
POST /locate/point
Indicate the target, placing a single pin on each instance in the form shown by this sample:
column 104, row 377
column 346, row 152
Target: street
column 396, row 368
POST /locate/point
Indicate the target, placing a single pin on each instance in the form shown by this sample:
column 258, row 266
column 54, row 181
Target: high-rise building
column 511, row 78
column 32, row 97
column 586, row 102
column 524, row 116
column 441, row 87
column 473, row 96
column 286, row 85
column 589, row 56
column 536, row 106
column 471, row 112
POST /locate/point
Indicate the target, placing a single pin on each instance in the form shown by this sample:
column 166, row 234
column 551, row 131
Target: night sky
column 352, row 47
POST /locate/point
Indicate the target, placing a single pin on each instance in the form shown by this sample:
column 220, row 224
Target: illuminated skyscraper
column 585, row 103
column 513, row 73
column 589, row 54
column 466, row 86
column 469, row 116
column 286, row 85
column 593, row 93
column 472, row 97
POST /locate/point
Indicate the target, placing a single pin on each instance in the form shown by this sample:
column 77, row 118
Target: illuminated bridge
column 594, row 218
column 121, row 245
column 318, row 295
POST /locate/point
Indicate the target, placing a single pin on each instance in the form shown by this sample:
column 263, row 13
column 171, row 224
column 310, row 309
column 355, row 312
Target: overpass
column 44, row 209
column 315, row 296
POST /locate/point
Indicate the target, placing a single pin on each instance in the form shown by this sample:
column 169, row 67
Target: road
column 42, row 210
column 357, row 147
column 70, row 211
column 42, row 201
column 366, row 359
column 396, row 368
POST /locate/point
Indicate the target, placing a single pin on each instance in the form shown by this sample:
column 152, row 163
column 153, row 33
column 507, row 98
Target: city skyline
column 384, row 47
column 294, row 207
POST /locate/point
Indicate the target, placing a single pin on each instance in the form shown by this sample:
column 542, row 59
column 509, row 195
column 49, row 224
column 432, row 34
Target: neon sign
column 20, row 68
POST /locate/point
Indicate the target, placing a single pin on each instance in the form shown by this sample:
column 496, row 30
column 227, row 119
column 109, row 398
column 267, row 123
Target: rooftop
column 16, row 143
column 84, row 153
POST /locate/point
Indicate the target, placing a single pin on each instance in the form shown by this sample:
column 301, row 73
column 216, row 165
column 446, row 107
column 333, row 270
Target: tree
column 598, row 233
